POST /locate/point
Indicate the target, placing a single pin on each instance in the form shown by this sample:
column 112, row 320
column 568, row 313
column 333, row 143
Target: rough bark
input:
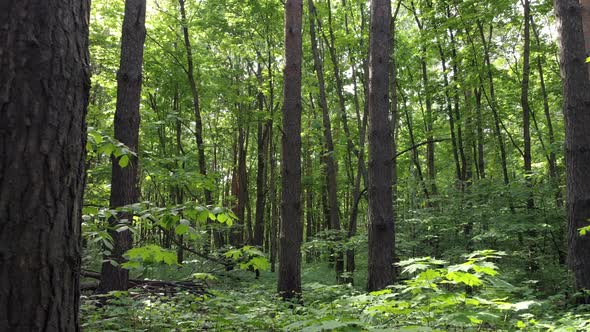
column 576, row 93
column 289, row 282
column 44, row 85
column 381, row 225
column 586, row 26
column 124, row 181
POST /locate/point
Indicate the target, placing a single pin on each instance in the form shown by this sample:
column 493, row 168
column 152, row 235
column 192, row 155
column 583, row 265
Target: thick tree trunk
column 331, row 168
column 289, row 283
column 381, row 225
column 44, row 84
column 576, row 92
column 124, row 183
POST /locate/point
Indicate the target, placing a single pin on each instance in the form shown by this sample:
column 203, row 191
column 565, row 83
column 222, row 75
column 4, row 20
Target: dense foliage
column 480, row 239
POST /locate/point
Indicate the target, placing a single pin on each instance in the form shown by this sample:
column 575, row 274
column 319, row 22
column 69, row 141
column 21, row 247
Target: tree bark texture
column 291, row 230
column 576, row 93
column 44, row 89
column 381, row 225
column 124, row 183
column 586, row 26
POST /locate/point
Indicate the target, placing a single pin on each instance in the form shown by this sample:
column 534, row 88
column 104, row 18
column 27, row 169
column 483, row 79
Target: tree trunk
column 428, row 117
column 415, row 155
column 586, row 26
column 236, row 235
column 274, row 210
column 576, row 92
column 262, row 140
column 289, row 282
column 331, row 44
column 524, row 101
column 457, row 79
column 124, row 183
column 332, row 171
column 449, row 108
column 552, row 159
column 493, row 103
column 381, row 225
column 44, row 85
column 481, row 165
column 218, row 239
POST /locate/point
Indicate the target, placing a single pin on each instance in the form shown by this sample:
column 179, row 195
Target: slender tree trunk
column 415, row 155
column 381, row 220
column 309, row 224
column 468, row 137
column 457, row 80
column 179, row 153
column 190, row 72
column 449, row 108
column 236, row 236
column 356, row 193
column 430, row 165
column 493, row 103
column 124, row 183
column 262, row 140
column 331, row 168
column 331, row 43
column 289, row 283
column 44, row 91
column 274, row 210
column 481, row 165
column 552, row 159
column 524, row 101
column 576, row 92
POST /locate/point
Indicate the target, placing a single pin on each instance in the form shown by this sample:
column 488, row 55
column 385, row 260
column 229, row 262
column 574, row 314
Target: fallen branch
column 152, row 285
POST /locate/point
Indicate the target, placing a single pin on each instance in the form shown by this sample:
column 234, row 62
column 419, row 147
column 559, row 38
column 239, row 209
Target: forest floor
column 436, row 298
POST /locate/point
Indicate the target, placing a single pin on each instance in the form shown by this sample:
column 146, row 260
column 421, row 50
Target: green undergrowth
column 434, row 295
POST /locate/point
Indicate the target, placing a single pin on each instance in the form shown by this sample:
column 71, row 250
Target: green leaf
column 124, row 161
column 181, row 229
column 464, row 278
